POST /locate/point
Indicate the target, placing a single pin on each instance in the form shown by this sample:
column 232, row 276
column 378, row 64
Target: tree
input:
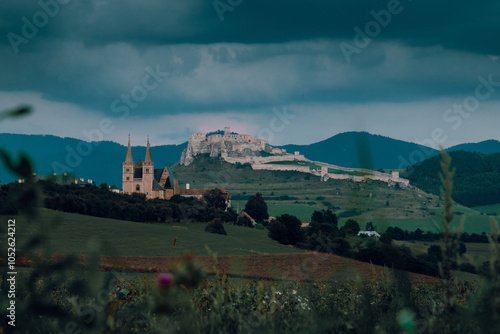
column 369, row 227
column 215, row 198
column 317, row 217
column 277, row 231
column 330, row 218
column 215, row 226
column 435, row 253
column 256, row 207
column 395, row 233
column 351, row 227
column 462, row 248
column 324, row 216
column 292, row 225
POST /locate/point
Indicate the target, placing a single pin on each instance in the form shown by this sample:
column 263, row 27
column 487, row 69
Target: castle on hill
column 143, row 178
column 226, row 145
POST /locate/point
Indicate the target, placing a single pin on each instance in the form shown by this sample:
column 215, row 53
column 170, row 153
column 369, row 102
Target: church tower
column 128, row 171
column 147, row 173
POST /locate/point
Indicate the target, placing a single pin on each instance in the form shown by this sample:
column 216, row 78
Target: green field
column 458, row 209
column 304, row 213
column 473, row 224
column 476, row 253
column 489, row 209
column 124, row 238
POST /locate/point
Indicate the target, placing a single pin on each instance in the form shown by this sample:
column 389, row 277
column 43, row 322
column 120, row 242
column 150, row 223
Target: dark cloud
column 461, row 25
column 263, row 54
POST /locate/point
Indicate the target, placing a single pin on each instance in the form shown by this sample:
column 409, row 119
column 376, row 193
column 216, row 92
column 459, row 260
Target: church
column 143, row 178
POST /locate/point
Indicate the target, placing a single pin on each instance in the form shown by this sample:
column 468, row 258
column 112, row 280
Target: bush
column 244, row 221
column 215, row 226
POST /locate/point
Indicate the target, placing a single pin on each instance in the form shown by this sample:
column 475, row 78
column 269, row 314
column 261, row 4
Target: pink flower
column 165, row 280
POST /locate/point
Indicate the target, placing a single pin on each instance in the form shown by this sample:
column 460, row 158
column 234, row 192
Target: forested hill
column 99, row 161
column 487, row 146
column 476, row 182
column 363, row 150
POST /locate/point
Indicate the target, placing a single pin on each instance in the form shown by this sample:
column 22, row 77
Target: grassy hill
column 304, row 193
column 476, row 182
column 72, row 233
column 300, row 194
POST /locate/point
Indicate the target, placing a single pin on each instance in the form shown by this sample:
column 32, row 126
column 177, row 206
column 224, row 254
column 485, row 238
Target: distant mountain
column 476, row 181
column 486, row 147
column 364, row 150
column 104, row 161
column 99, row 161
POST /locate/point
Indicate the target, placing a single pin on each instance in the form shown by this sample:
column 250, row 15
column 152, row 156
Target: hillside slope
column 282, row 189
column 476, row 182
column 486, row 147
column 362, row 150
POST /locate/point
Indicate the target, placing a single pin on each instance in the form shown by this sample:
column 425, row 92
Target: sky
column 289, row 71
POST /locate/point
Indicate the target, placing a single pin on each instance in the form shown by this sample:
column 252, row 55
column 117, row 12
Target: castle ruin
column 225, row 145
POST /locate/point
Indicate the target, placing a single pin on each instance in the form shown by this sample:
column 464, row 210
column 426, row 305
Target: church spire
column 129, row 158
column 148, row 153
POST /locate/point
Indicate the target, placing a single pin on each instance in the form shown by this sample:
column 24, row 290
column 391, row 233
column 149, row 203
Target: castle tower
column 227, row 131
column 128, row 171
column 147, row 173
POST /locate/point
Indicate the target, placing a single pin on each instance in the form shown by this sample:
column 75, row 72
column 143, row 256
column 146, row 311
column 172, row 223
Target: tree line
column 100, row 202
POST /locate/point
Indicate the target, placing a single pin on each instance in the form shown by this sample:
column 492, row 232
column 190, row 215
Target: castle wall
column 304, row 169
column 264, row 160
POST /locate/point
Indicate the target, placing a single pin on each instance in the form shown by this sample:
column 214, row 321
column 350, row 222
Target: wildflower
column 294, row 292
column 165, row 281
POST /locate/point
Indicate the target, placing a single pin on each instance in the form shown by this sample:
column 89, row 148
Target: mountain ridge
column 104, row 162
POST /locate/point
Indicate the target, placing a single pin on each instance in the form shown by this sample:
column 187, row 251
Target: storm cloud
column 377, row 63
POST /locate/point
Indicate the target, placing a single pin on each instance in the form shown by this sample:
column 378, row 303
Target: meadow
column 70, row 234
column 488, row 209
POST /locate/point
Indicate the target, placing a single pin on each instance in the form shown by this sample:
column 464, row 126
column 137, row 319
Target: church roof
column 148, row 154
column 138, row 172
column 129, row 158
column 156, row 185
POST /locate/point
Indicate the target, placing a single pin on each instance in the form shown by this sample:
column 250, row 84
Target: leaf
column 23, row 169
column 21, row 111
column 18, row 112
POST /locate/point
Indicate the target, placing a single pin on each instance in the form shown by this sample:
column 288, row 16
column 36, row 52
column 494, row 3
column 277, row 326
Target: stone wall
column 303, row 169
column 263, row 160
